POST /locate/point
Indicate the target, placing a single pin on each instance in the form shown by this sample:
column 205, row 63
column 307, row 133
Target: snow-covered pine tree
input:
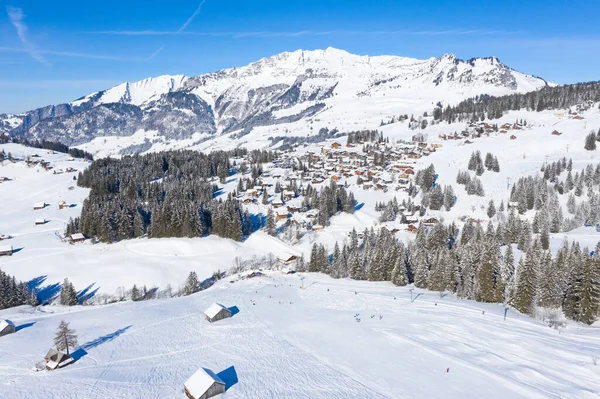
column 68, row 295
column 192, row 284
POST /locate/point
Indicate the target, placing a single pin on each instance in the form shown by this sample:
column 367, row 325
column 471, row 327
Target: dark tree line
column 328, row 201
column 14, row 293
column 167, row 194
column 48, row 145
column 542, row 195
column 475, row 264
column 364, row 136
column 491, row 107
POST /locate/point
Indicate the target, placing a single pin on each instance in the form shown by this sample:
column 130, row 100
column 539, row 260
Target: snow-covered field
column 288, row 342
column 159, row 262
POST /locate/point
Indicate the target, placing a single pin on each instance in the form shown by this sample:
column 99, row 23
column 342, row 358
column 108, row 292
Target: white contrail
column 16, row 16
column 191, row 18
column 180, row 30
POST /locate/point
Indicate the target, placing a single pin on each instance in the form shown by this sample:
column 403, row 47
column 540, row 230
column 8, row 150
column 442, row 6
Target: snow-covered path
column 288, row 342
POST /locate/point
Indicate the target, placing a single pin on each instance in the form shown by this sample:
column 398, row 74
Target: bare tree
column 65, row 337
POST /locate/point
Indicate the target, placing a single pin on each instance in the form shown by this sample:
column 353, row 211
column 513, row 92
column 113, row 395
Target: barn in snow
column 56, row 359
column 6, row 327
column 203, row 384
column 216, row 312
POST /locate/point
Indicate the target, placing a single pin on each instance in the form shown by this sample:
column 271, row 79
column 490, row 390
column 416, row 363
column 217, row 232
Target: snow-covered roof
column 213, row 310
column 201, row 381
column 5, row 248
column 77, row 236
column 5, row 323
column 39, row 205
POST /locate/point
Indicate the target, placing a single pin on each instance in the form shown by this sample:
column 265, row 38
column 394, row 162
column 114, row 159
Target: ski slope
column 288, row 342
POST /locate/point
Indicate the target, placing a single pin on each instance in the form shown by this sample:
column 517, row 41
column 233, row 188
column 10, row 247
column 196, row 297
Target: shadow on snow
column 83, row 349
column 229, row 377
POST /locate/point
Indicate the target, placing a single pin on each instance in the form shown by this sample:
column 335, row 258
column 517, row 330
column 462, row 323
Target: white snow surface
column 288, row 342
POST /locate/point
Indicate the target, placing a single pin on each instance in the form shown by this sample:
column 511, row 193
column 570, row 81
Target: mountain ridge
column 281, row 89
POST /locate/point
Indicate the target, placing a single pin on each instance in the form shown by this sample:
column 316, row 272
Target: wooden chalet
column 203, row 384
column 77, row 237
column 6, row 251
column 6, row 327
column 56, row 359
column 39, row 205
column 216, row 312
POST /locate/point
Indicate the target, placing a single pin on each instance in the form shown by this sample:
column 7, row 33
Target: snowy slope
column 292, row 93
column 137, row 93
column 159, row 262
column 287, row 342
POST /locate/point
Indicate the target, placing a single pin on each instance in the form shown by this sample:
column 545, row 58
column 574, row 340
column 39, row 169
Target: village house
column 281, row 214
column 216, row 312
column 56, row 359
column 287, row 259
column 288, row 195
column 430, row 221
column 277, row 203
column 77, row 237
column 39, row 205
column 203, row 384
column 6, row 251
column 40, row 221
column 411, row 228
column 63, row 205
column 6, row 327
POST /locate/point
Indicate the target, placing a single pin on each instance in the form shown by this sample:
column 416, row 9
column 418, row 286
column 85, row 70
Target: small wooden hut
column 216, row 312
column 56, row 359
column 203, row 384
column 6, row 327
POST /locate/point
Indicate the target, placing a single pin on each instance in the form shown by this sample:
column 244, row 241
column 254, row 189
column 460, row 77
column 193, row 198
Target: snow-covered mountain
column 282, row 94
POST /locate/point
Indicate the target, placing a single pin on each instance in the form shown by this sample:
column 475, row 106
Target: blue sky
column 53, row 52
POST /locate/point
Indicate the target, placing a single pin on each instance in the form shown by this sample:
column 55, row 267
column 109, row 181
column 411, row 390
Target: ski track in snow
column 309, row 348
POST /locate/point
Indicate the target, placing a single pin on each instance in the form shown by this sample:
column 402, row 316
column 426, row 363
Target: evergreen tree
column 270, row 222
column 192, row 284
column 68, row 295
column 491, row 210
column 135, row 293
column 65, row 337
column 590, row 142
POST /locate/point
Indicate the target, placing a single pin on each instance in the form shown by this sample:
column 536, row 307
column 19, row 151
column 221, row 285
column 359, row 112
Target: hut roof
column 77, row 236
column 213, row 310
column 5, row 323
column 201, row 381
column 54, row 358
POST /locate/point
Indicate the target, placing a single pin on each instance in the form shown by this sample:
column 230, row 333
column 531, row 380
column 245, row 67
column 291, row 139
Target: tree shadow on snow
column 105, row 338
column 229, row 377
column 87, row 293
column 48, row 293
column 35, row 283
column 24, row 326
column 357, row 206
column 234, row 310
column 83, row 349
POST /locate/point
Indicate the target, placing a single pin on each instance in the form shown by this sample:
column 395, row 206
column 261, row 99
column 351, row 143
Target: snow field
column 289, row 342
